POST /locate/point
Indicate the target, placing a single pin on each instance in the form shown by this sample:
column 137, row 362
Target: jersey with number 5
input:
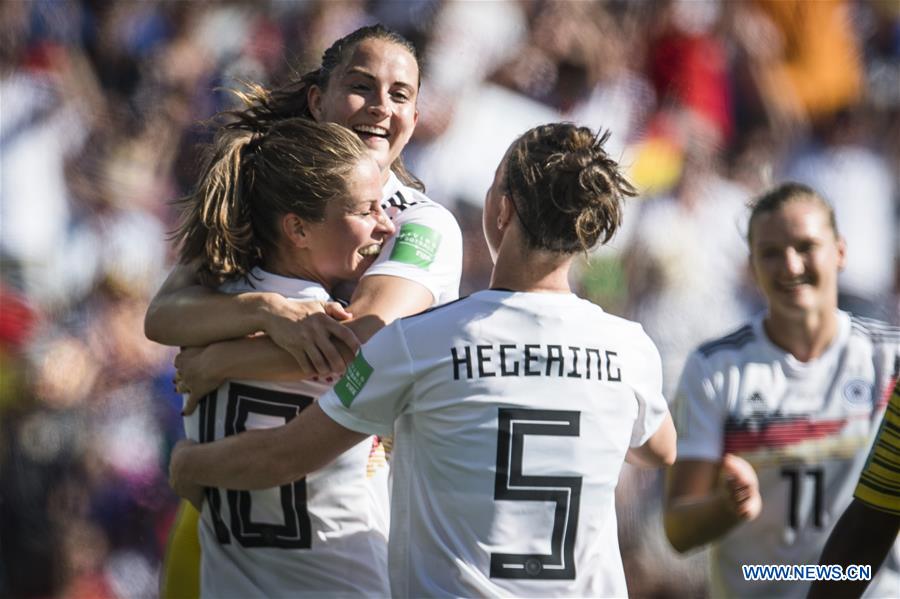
column 318, row 536
column 513, row 413
column 804, row 426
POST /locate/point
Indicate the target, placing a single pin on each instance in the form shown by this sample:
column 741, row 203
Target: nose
column 379, row 105
column 793, row 262
column 383, row 224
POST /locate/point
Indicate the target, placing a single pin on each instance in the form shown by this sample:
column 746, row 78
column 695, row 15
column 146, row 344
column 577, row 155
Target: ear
column 293, row 228
column 752, row 270
column 314, row 100
column 415, row 118
column 841, row 253
column 506, row 212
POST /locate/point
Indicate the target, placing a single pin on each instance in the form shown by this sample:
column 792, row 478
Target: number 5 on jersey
column 511, row 484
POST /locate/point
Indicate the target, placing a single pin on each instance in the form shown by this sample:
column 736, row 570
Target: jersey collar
column 392, row 186
column 287, row 286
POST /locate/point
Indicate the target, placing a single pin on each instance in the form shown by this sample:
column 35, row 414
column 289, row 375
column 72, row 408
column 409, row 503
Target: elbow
column 668, row 458
column 671, row 526
column 151, row 329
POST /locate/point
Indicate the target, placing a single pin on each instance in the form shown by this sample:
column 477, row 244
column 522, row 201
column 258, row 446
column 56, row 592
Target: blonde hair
column 250, row 180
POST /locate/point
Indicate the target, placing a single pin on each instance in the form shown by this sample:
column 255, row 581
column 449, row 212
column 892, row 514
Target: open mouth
column 373, row 249
column 370, row 131
column 793, row 285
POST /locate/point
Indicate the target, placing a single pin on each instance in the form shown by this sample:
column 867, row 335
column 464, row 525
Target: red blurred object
column 17, row 319
column 692, row 69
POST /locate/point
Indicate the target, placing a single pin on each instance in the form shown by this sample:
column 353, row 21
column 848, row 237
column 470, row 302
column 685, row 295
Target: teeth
column 370, row 250
column 371, row 129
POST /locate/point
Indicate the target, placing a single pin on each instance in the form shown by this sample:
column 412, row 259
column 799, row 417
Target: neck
column 805, row 338
column 295, row 270
column 521, row 269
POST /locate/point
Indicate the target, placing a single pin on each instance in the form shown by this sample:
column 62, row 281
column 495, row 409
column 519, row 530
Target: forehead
column 383, row 58
column 800, row 218
column 364, row 182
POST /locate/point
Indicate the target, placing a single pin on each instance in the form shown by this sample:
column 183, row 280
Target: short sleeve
column 427, row 249
column 375, row 388
column 698, row 413
column 647, row 387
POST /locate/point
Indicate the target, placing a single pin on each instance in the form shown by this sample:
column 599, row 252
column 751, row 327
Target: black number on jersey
column 295, row 532
column 511, row 484
column 796, row 478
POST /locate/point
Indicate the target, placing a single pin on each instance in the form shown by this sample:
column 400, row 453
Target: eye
column 400, row 96
column 362, row 87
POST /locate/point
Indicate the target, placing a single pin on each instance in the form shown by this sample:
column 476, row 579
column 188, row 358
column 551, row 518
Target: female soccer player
column 513, row 408
column 292, row 210
column 774, row 419
column 368, row 82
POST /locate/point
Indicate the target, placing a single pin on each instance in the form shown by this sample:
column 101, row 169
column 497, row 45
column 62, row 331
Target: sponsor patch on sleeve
column 353, row 380
column 416, row 244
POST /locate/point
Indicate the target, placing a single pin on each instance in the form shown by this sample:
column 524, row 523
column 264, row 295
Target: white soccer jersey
column 513, row 413
column 805, row 427
column 427, row 248
column 319, row 536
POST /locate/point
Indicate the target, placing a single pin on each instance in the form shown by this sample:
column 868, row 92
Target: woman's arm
column 705, row 500
column 658, row 450
column 863, row 535
column 264, row 458
column 380, row 299
column 185, row 313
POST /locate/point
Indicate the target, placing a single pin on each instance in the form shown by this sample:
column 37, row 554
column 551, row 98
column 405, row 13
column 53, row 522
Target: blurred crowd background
column 709, row 103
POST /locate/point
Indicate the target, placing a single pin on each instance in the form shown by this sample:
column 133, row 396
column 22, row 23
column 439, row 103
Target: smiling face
column 795, row 256
column 346, row 243
column 373, row 92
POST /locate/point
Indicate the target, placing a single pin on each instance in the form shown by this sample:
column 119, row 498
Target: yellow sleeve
column 879, row 483
column 180, row 577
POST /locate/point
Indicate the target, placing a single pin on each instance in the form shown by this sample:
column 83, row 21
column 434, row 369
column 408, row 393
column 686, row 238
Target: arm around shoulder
column 185, row 313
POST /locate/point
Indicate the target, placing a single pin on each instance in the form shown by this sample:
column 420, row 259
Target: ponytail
column 215, row 226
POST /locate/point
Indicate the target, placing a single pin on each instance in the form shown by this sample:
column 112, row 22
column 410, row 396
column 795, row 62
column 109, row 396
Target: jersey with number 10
column 318, row 536
column 804, row 426
column 512, row 415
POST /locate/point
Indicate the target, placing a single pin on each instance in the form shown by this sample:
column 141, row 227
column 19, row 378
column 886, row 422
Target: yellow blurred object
column 819, row 70
column 657, row 166
column 180, row 576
